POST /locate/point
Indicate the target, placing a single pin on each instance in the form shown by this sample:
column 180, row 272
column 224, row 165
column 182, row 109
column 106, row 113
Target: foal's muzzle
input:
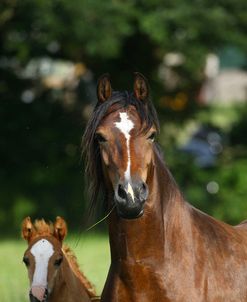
column 34, row 299
column 130, row 199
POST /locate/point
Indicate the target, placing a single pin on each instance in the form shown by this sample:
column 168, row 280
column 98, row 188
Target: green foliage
column 228, row 201
column 40, row 162
column 231, row 203
column 81, row 28
column 40, row 171
column 96, row 30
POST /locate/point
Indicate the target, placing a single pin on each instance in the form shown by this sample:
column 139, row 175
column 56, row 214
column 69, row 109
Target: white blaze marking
column 130, row 191
column 42, row 251
column 125, row 125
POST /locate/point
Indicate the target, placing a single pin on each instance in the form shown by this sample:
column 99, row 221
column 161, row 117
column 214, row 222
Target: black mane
column 90, row 146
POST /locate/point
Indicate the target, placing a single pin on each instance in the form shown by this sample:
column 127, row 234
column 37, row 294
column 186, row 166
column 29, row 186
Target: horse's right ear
column 104, row 90
column 141, row 87
column 28, row 230
column 60, row 228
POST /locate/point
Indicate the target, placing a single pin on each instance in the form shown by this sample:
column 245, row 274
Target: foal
column 52, row 268
column 162, row 248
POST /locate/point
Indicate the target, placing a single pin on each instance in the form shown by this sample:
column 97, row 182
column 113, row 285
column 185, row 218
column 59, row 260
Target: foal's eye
column 100, row 138
column 26, row 261
column 58, row 262
column 152, row 136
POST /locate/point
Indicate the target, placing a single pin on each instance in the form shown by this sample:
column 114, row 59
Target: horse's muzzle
column 34, row 299
column 130, row 199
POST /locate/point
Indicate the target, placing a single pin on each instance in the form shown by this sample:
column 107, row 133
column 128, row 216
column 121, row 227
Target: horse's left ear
column 28, row 230
column 141, row 87
column 104, row 90
column 60, row 228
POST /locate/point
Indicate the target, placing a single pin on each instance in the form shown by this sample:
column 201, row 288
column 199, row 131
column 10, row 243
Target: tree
column 108, row 36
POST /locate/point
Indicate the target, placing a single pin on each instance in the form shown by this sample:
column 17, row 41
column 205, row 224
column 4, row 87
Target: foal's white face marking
column 42, row 250
column 125, row 125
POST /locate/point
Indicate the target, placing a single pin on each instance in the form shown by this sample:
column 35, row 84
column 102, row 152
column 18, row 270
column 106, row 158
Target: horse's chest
column 149, row 284
column 137, row 283
column 195, row 283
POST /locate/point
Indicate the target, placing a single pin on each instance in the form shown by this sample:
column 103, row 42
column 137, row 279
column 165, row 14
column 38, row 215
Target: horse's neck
column 68, row 284
column 146, row 237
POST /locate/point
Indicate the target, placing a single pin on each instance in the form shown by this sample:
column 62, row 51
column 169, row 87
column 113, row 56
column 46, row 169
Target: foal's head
column 43, row 256
column 119, row 142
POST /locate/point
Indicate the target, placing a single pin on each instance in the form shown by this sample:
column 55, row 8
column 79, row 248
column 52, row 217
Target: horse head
column 44, row 256
column 122, row 134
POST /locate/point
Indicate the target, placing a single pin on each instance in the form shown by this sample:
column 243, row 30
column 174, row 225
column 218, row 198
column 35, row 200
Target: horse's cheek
column 51, row 278
column 105, row 157
column 30, row 274
column 146, row 162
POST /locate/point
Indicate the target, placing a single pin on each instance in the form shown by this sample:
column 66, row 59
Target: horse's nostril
column 143, row 191
column 121, row 192
column 143, row 188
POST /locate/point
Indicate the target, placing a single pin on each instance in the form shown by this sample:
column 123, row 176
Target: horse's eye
column 100, row 138
column 58, row 262
column 26, row 261
column 152, row 136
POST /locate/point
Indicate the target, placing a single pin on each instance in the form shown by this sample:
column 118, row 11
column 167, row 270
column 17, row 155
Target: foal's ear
column 60, row 228
column 104, row 90
column 141, row 87
column 28, row 230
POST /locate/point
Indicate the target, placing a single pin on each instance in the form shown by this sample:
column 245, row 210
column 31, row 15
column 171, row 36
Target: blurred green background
column 51, row 54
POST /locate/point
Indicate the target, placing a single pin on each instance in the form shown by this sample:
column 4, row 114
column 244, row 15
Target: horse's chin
column 129, row 208
column 130, row 215
column 33, row 299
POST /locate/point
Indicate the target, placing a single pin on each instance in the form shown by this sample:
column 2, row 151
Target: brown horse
column 162, row 248
column 52, row 268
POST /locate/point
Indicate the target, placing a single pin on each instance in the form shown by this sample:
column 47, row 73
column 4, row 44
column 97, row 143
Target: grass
column 92, row 251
